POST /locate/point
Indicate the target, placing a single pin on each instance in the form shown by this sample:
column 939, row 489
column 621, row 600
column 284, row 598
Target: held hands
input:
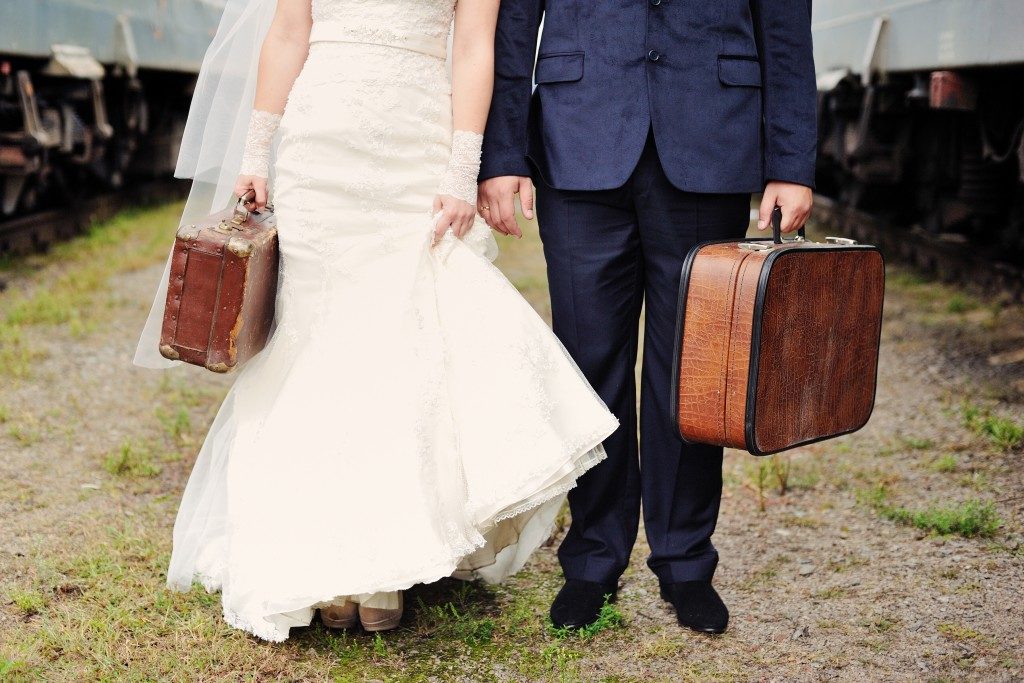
column 497, row 202
column 794, row 200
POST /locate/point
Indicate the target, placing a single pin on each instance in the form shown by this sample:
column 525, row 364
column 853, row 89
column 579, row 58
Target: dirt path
column 827, row 582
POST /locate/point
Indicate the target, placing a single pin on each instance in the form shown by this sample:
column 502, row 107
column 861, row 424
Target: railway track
column 37, row 231
column 948, row 257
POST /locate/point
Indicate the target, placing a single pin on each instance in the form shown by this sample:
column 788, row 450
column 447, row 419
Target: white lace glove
column 263, row 126
column 460, row 178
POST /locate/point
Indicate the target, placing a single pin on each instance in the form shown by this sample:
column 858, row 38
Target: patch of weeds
column 132, row 460
column 917, row 444
column 380, row 646
column 758, row 483
column 831, row 593
column 1002, row 432
column 959, row 303
column 177, row 426
column 782, row 467
column 5, row 415
column 945, row 464
column 448, row 621
column 881, row 624
column 968, row 519
column 661, row 648
column 10, row 667
column 976, row 480
column 799, row 521
column 958, row 632
column 562, row 661
column 609, row 618
column 762, row 577
column 25, row 435
column 29, row 602
column 842, row 447
column 804, row 477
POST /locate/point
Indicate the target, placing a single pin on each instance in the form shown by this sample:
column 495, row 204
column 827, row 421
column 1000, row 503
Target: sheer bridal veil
column 214, row 137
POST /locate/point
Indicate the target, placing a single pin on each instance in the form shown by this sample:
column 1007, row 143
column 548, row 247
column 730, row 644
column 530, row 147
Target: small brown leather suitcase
column 777, row 341
column 223, row 283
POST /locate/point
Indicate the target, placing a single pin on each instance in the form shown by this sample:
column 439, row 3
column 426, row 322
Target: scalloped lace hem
column 262, row 627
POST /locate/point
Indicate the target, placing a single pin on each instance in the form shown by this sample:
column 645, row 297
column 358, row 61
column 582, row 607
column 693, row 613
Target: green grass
column 917, row 444
column 28, row 601
column 960, row 303
column 609, row 618
column 132, row 459
column 177, row 424
column 70, row 298
column 972, row 518
column 958, row 632
column 1002, row 432
column 945, row 464
column 112, row 618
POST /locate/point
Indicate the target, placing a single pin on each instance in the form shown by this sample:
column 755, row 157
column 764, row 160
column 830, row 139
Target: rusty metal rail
column 36, row 231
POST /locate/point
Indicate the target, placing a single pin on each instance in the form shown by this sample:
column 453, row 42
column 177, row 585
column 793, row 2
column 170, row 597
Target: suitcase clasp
column 840, row 240
column 754, row 246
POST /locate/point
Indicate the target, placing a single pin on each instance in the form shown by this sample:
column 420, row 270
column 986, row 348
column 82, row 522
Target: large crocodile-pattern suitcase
column 222, row 289
column 777, row 341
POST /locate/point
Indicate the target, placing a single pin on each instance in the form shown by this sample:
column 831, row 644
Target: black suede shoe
column 698, row 606
column 579, row 603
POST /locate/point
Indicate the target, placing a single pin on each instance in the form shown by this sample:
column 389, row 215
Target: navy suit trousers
column 608, row 252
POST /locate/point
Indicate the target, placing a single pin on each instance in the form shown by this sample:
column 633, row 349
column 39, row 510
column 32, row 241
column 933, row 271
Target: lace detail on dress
column 263, row 126
column 460, row 178
column 422, row 25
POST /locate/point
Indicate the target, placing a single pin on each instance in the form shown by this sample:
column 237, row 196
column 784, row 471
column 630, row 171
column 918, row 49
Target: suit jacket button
column 653, row 55
column 655, row 2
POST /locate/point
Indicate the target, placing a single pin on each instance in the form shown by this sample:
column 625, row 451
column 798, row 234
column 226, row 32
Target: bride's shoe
column 340, row 616
column 378, row 619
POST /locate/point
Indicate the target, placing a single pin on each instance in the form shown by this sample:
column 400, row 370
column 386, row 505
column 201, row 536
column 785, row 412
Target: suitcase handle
column 241, row 212
column 777, row 226
column 247, row 199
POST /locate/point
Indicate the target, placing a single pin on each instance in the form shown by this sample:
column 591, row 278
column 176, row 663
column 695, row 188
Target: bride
column 411, row 417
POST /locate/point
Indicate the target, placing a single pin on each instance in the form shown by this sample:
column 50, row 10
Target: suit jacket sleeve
column 515, row 47
column 783, row 31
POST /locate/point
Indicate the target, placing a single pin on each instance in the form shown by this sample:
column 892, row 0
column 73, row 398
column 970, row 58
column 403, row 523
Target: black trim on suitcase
column 755, row 340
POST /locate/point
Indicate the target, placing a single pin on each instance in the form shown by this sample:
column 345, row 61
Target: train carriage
column 93, row 92
column 921, row 116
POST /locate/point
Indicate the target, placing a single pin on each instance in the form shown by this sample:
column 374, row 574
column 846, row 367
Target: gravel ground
column 820, row 584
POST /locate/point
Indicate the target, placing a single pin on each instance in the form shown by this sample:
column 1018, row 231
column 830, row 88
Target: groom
column 651, row 124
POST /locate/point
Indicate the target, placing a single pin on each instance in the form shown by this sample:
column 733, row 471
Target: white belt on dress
column 339, row 32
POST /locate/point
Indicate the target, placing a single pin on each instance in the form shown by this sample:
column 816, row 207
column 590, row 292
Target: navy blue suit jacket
column 728, row 86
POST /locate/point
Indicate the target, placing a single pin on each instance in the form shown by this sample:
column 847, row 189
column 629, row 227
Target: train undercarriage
column 940, row 152
column 69, row 128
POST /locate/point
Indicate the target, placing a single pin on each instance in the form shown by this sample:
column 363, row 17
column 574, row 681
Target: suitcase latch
column 754, row 246
column 840, row 240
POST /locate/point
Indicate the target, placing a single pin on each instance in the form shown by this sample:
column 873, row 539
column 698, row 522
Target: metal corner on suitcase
column 188, row 233
column 169, row 352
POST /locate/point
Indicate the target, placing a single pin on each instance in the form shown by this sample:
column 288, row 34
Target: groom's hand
column 497, row 204
column 794, row 200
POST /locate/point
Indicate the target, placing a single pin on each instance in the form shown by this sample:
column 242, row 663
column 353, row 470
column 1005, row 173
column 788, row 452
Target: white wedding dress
column 412, row 417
